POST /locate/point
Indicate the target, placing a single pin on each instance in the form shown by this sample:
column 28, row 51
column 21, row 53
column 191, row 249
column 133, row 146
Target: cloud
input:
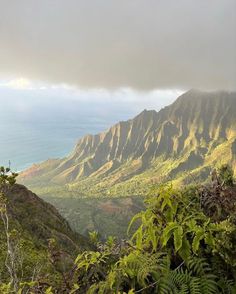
column 18, row 84
column 113, row 44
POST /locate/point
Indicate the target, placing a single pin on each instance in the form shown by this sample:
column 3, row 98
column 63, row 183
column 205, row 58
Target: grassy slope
column 123, row 182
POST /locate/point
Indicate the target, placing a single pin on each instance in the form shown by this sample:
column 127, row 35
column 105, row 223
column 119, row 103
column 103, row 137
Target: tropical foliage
column 184, row 242
column 177, row 248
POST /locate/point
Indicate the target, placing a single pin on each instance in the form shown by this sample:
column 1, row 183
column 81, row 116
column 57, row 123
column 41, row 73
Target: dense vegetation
column 184, row 243
column 28, row 225
column 108, row 216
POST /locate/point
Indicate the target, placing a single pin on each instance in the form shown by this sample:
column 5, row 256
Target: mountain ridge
column 182, row 135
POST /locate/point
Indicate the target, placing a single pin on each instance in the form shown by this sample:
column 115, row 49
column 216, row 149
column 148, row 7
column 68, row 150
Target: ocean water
column 37, row 125
column 32, row 131
column 25, row 143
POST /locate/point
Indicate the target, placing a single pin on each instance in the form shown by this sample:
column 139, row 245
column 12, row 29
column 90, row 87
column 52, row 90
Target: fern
column 174, row 250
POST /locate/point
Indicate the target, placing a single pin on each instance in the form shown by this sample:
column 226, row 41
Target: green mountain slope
column 32, row 223
column 191, row 135
column 107, row 216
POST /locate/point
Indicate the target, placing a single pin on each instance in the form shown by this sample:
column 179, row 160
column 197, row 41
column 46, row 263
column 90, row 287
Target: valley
column 101, row 184
column 108, row 217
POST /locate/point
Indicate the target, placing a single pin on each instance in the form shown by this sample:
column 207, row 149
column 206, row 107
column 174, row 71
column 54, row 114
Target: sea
column 24, row 143
column 40, row 125
column 33, row 132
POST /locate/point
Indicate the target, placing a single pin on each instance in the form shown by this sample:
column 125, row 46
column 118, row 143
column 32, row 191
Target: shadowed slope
column 32, row 223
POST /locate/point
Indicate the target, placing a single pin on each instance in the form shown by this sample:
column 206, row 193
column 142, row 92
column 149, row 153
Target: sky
column 71, row 67
column 23, row 95
column 102, row 44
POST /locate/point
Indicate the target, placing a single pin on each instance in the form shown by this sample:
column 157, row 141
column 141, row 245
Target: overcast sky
column 139, row 44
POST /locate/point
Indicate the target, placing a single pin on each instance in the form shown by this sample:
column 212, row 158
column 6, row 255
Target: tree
column 12, row 261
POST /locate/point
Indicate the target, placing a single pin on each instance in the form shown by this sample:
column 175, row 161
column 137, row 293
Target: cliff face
column 181, row 137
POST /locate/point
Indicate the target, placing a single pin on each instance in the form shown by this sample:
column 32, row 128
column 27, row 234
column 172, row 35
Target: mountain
column 193, row 134
column 32, row 223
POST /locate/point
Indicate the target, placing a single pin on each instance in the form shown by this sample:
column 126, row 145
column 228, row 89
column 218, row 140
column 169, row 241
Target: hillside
column 189, row 136
column 32, row 223
column 108, row 216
